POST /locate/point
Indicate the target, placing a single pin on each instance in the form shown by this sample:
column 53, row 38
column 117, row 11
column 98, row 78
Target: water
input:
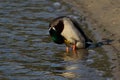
column 27, row 52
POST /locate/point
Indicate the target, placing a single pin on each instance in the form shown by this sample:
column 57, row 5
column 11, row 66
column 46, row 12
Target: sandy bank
column 104, row 16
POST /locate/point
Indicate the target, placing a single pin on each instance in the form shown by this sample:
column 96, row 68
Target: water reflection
column 79, row 55
column 70, row 63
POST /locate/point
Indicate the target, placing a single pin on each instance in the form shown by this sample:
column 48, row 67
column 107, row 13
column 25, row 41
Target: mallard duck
column 66, row 30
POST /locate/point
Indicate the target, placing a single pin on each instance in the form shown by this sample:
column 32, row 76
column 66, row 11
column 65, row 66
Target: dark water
column 27, row 52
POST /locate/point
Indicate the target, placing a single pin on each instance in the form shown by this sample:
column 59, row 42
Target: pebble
column 57, row 5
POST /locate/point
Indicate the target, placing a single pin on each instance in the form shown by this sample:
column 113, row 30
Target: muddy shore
column 104, row 17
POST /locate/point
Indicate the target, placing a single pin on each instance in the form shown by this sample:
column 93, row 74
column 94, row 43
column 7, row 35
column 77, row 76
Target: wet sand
column 104, row 17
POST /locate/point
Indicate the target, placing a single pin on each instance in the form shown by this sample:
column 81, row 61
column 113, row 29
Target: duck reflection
column 71, row 64
column 74, row 56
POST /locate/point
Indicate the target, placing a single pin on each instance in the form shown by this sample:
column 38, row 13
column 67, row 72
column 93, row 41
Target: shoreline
column 103, row 16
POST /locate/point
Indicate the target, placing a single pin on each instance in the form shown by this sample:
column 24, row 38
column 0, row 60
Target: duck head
column 55, row 29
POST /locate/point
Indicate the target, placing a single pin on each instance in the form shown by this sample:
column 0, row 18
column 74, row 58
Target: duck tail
column 91, row 45
column 88, row 43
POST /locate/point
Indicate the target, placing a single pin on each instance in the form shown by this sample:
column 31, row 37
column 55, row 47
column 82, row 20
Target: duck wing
column 87, row 40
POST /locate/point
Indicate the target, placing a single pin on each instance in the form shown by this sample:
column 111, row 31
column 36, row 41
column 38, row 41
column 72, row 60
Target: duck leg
column 67, row 49
column 74, row 48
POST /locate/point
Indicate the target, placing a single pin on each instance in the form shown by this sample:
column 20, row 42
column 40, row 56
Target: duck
column 66, row 30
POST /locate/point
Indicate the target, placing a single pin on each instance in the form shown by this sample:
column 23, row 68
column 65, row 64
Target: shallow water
column 27, row 52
